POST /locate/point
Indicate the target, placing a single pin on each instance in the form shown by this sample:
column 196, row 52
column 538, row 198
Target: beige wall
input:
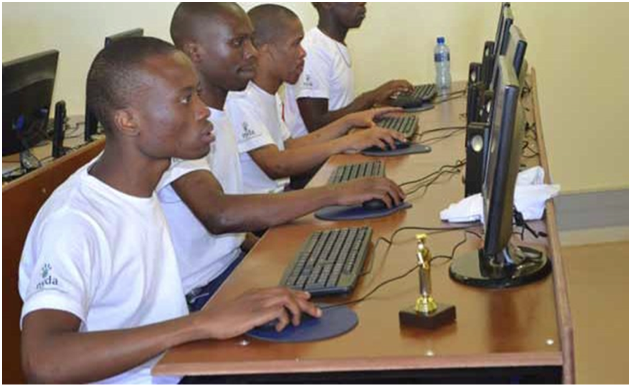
column 571, row 44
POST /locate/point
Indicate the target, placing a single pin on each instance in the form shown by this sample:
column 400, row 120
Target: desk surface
column 514, row 327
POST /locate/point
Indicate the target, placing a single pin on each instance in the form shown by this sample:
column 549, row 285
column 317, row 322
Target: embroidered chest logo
column 308, row 82
column 247, row 132
column 47, row 278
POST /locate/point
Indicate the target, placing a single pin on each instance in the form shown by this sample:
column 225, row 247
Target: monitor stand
column 513, row 266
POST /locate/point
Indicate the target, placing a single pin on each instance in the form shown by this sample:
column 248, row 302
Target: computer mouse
column 374, row 204
column 399, row 145
column 271, row 325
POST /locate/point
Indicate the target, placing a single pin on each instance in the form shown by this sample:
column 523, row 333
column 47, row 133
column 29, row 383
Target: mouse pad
column 414, row 148
column 357, row 212
column 334, row 321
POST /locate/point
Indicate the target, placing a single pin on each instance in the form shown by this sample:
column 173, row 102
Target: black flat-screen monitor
column 27, row 89
column 500, row 263
column 516, row 47
column 91, row 122
column 501, row 44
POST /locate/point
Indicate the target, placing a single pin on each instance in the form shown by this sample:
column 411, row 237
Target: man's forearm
column 362, row 102
column 81, row 357
column 247, row 213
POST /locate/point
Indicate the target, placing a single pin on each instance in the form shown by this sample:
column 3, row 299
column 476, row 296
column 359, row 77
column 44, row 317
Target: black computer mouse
column 374, row 204
column 399, row 145
column 271, row 325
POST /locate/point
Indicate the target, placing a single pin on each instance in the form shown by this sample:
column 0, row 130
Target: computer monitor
column 91, row 122
column 27, row 89
column 500, row 263
column 516, row 47
column 499, row 32
column 500, row 45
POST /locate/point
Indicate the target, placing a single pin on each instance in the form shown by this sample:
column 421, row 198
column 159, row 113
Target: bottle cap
column 441, row 40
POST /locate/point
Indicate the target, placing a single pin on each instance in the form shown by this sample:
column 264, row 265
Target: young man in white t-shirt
column 269, row 154
column 98, row 275
column 325, row 91
column 198, row 201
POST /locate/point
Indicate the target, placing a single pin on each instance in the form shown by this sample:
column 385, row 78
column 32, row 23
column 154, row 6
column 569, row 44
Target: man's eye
column 186, row 100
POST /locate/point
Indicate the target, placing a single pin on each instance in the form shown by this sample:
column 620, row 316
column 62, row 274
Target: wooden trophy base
column 445, row 314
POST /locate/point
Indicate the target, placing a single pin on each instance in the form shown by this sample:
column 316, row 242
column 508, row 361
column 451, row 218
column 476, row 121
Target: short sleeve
column 60, row 267
column 249, row 129
column 179, row 168
column 314, row 81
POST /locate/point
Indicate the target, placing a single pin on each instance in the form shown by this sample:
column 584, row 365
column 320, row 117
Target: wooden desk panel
column 494, row 328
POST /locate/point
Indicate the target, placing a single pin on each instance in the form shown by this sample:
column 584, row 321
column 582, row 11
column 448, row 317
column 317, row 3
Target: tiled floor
column 598, row 294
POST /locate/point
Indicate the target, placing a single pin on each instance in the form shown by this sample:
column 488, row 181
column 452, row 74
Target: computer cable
column 519, row 221
column 447, row 128
column 457, row 165
column 428, row 180
column 449, row 97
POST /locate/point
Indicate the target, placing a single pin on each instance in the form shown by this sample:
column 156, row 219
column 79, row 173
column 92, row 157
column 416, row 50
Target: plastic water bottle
column 442, row 57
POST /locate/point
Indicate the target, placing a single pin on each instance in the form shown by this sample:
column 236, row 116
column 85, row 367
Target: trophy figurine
column 426, row 313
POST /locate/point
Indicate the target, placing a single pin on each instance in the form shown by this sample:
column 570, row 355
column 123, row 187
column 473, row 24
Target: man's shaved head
column 270, row 21
column 117, row 73
column 189, row 19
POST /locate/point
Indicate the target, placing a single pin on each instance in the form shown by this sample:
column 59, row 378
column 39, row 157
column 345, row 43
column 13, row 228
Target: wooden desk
column 524, row 330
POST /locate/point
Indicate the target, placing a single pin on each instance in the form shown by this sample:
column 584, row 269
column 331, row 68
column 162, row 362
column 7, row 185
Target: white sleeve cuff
column 52, row 300
column 255, row 143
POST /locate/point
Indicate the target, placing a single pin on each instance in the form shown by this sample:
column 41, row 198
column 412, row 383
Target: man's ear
column 193, row 51
column 126, row 122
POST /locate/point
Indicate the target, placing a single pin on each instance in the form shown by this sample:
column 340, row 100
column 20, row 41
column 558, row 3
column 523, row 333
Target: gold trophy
column 426, row 313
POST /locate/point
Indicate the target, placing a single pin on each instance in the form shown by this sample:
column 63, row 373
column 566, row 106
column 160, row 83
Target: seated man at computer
column 98, row 276
column 325, row 91
column 268, row 153
column 203, row 200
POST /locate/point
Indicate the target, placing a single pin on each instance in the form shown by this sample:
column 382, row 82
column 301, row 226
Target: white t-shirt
column 327, row 74
column 256, row 117
column 105, row 257
column 202, row 256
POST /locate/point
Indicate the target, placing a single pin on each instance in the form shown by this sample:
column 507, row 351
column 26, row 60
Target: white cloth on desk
column 530, row 195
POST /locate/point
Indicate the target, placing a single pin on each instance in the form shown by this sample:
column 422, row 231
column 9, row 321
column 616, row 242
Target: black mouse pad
column 357, row 212
column 334, row 321
column 414, row 148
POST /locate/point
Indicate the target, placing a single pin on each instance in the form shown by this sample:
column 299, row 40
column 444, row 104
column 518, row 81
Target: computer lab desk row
column 519, row 334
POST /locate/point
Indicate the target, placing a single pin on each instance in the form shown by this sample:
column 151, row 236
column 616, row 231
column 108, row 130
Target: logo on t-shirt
column 247, row 133
column 308, row 82
column 47, row 277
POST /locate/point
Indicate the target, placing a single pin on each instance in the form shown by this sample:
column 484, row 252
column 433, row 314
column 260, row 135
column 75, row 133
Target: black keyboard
column 406, row 125
column 418, row 97
column 350, row 172
column 330, row 262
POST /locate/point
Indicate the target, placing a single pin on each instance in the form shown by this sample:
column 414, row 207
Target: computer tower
column 477, row 140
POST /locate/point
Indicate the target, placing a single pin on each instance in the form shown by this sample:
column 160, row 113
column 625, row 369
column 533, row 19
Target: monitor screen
column 27, row 89
column 506, row 138
column 516, row 47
